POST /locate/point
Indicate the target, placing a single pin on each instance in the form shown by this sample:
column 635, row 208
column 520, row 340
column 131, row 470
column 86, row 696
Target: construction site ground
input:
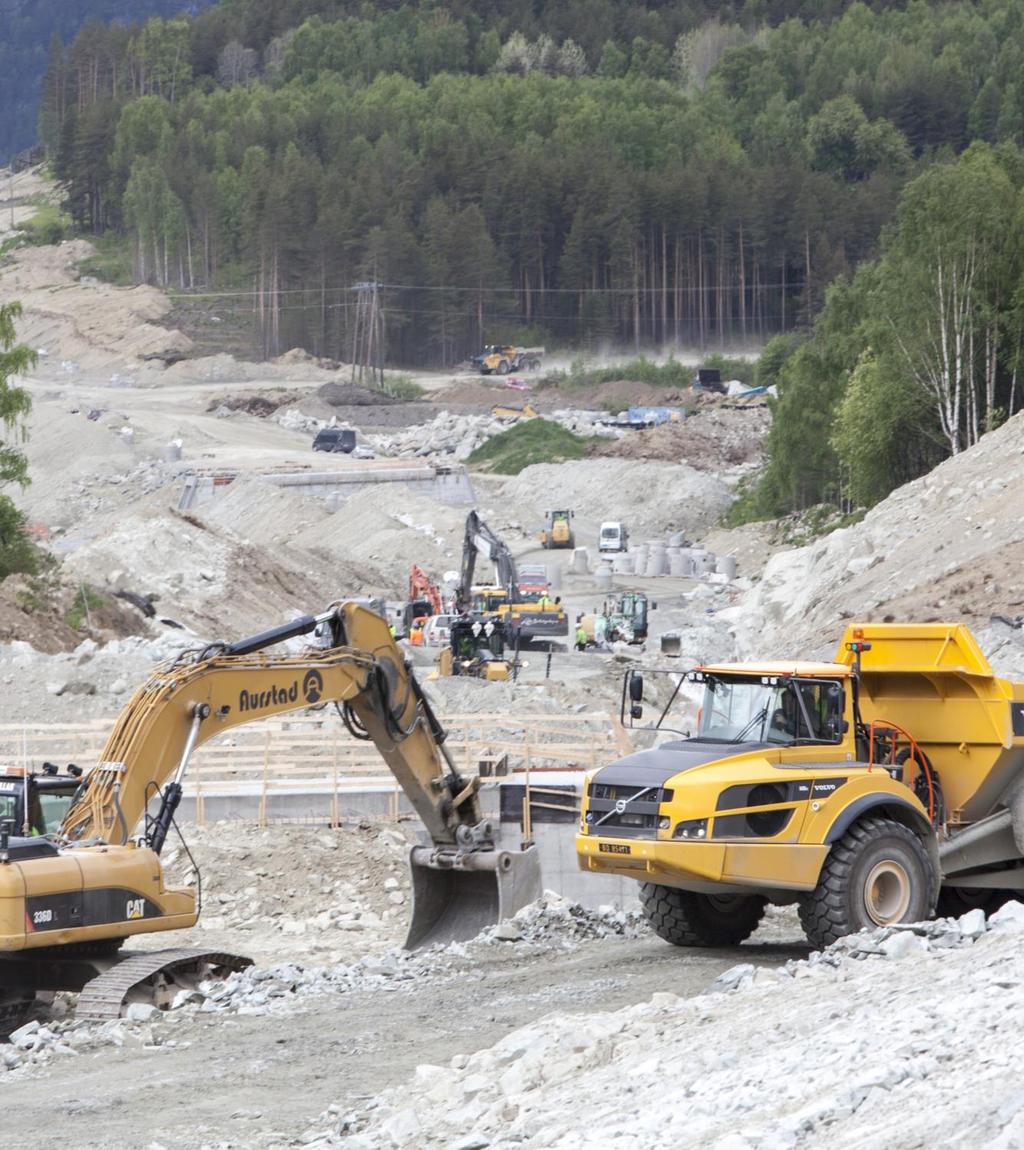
column 260, row 1080
column 338, row 1036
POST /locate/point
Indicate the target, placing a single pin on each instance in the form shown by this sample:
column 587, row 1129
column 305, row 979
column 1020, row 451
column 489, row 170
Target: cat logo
column 136, row 908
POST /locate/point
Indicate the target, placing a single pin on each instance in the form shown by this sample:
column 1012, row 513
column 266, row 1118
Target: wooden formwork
column 313, row 755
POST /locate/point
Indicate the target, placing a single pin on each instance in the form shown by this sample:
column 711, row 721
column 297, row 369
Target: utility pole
column 368, row 336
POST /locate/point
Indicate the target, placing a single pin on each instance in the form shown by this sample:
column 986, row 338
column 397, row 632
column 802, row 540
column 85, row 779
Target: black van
column 335, row 439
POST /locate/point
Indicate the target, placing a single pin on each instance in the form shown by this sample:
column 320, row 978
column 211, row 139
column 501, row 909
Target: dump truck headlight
column 664, row 823
column 691, row 829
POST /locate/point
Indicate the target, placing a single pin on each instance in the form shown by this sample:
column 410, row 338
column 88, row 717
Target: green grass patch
column 402, row 387
column 112, row 262
column 49, row 225
column 529, row 442
column 86, row 601
column 671, row 375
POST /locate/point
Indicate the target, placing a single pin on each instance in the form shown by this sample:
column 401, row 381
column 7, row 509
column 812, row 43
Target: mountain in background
column 27, row 28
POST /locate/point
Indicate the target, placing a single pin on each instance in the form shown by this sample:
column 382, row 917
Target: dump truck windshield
column 769, row 710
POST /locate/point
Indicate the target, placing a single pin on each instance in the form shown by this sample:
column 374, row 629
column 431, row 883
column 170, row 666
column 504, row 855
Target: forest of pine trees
column 585, row 173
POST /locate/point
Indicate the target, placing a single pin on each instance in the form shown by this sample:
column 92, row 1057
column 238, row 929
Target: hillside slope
column 947, row 546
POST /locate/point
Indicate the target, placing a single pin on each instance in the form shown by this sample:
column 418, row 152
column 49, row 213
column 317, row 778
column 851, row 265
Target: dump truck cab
column 855, row 788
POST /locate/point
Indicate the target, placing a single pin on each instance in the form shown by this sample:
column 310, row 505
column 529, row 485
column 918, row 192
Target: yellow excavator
column 69, row 900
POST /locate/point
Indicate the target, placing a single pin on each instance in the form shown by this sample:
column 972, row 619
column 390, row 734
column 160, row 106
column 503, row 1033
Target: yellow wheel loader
column 558, row 531
column 868, row 790
column 500, row 359
column 68, row 901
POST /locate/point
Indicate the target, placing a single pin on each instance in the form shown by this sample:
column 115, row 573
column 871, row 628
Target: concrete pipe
column 726, row 565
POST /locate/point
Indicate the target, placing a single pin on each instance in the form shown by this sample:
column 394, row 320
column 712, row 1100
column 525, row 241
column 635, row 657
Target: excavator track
column 103, row 997
column 14, row 1013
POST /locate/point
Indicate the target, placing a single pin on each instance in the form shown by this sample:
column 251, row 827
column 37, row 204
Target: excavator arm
column 136, row 788
column 479, row 539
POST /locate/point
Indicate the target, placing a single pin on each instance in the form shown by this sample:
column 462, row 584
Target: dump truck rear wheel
column 503, row 367
column 879, row 872
column 956, row 900
column 685, row 918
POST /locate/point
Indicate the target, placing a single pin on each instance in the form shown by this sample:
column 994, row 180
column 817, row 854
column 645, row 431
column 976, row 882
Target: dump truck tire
column 684, row 918
column 879, row 872
column 955, row 901
column 503, row 367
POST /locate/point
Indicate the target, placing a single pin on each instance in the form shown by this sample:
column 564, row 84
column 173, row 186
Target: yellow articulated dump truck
column 875, row 789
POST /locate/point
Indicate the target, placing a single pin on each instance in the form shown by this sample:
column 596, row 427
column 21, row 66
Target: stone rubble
column 459, row 435
column 551, row 923
column 859, row 1046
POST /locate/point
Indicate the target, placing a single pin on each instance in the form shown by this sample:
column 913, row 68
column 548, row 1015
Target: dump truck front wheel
column 688, row 919
column 879, row 872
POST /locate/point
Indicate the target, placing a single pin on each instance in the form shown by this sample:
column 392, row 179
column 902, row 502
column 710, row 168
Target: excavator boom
column 100, row 879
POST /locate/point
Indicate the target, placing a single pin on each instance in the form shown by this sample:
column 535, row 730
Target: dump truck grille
column 624, row 811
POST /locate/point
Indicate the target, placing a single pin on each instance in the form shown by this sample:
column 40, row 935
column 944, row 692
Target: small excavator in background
column 424, row 598
column 525, row 621
column 478, row 648
column 68, row 901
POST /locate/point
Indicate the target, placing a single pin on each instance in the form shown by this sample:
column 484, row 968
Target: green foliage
column 47, row 226
column 17, row 551
column 403, row 387
column 872, row 428
column 86, row 601
column 531, row 441
column 15, row 404
column 671, row 374
column 112, row 261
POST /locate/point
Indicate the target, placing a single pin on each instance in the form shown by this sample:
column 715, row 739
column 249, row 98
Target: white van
column 613, row 537
column 437, row 631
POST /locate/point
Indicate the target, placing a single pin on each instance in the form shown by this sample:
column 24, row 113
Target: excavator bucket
column 453, row 901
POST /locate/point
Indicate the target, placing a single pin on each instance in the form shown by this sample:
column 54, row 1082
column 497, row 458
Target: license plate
column 614, row 848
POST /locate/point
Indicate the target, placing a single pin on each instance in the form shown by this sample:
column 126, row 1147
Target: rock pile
column 89, row 682
column 551, row 923
column 894, row 1037
column 459, row 435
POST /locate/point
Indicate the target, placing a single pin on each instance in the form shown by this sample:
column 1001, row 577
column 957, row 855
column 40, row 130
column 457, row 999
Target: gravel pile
column 552, row 923
column 459, row 435
column 653, row 499
column 903, row 1036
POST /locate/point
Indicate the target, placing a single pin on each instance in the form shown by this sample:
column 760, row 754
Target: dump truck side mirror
column 636, row 688
column 636, row 711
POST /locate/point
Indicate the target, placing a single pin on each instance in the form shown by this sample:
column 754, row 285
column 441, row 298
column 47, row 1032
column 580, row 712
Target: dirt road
column 258, row 1081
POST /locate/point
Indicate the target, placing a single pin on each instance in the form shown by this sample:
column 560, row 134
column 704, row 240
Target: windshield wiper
column 758, row 718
